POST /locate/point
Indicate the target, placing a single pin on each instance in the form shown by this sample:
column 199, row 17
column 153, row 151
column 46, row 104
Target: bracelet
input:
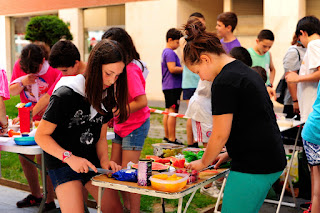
column 4, row 126
column 295, row 101
column 21, row 84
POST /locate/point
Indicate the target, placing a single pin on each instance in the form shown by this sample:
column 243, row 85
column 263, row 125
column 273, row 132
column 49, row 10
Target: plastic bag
column 294, row 171
column 126, row 175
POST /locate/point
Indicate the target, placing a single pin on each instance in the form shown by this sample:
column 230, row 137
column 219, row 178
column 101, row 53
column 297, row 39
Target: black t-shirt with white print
column 254, row 144
column 75, row 131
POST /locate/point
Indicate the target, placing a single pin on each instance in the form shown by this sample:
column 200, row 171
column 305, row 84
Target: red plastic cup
column 25, row 115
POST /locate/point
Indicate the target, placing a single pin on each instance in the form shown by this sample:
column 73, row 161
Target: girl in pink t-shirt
column 131, row 134
column 4, row 95
column 32, row 76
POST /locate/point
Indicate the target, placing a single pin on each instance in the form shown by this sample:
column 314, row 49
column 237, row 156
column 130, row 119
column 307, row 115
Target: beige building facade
column 147, row 21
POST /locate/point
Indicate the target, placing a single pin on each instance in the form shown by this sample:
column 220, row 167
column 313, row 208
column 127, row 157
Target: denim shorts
column 135, row 140
column 66, row 174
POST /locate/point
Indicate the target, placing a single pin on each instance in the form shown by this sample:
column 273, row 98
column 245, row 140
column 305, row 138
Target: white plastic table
column 10, row 146
column 102, row 181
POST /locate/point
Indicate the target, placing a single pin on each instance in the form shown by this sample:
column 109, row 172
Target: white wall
column 5, row 45
column 148, row 22
column 74, row 16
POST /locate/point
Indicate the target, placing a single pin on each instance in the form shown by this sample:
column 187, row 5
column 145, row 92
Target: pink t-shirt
column 50, row 91
column 136, row 87
column 4, row 90
column 44, row 82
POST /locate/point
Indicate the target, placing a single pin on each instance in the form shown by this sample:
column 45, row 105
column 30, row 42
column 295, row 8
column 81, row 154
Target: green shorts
column 245, row 193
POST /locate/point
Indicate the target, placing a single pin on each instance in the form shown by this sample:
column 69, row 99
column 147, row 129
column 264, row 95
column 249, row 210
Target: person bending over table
column 243, row 120
column 73, row 129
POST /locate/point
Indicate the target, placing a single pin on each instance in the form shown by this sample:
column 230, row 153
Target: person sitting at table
column 31, row 78
column 239, row 121
column 73, row 129
column 4, row 95
column 130, row 135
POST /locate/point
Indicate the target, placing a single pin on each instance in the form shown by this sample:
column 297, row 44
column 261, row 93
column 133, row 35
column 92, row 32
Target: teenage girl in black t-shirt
column 243, row 120
column 73, row 130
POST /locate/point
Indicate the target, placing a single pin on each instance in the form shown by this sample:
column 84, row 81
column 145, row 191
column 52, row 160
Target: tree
column 48, row 29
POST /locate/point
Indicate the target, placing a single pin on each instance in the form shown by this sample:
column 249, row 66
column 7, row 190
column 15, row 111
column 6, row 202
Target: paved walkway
column 9, row 197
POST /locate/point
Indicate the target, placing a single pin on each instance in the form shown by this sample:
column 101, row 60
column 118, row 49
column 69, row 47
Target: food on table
column 207, row 173
column 169, row 182
column 155, row 167
column 193, row 174
column 191, row 156
column 166, row 150
column 178, row 163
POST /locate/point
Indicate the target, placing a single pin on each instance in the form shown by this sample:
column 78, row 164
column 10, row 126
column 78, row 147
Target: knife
column 209, row 167
column 102, row 171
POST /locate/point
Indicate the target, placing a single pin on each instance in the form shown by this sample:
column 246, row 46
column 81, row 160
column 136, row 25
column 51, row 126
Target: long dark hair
column 199, row 41
column 120, row 35
column 107, row 52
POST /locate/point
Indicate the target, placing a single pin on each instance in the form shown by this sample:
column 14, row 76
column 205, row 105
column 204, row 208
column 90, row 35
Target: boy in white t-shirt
column 308, row 32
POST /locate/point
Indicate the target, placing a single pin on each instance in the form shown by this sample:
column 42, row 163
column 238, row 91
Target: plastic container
column 25, row 114
column 285, row 123
column 166, row 149
column 14, row 127
column 25, row 141
column 169, row 185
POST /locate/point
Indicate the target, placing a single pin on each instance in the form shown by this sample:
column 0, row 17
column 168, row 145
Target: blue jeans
column 135, row 140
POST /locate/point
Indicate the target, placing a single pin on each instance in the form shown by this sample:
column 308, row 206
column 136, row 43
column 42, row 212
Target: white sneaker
column 212, row 191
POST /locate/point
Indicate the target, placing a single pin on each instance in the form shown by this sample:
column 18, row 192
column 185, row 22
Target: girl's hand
column 196, row 165
column 113, row 165
column 29, row 79
column 221, row 158
column 80, row 165
column 15, row 120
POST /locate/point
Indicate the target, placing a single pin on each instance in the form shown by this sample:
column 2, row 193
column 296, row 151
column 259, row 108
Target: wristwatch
column 66, row 155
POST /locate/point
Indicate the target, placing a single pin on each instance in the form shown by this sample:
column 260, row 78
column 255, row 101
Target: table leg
column 44, row 184
column 220, row 194
column 99, row 199
column 163, row 205
column 288, row 170
column 189, row 201
column 180, row 205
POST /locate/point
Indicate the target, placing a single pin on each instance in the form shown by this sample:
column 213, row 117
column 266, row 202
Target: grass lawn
column 11, row 169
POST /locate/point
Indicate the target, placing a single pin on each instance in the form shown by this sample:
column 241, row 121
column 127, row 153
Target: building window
column 97, row 21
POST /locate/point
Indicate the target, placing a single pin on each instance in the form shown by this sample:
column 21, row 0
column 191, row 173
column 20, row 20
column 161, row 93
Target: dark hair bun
column 194, row 28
